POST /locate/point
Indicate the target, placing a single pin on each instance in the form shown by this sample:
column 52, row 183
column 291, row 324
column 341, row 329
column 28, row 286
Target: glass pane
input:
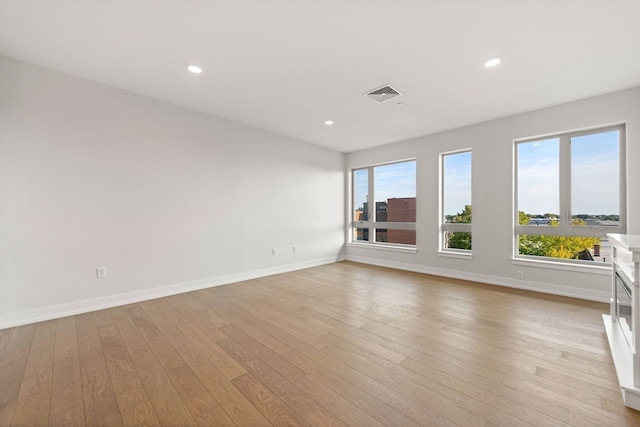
column 457, row 187
column 568, row 247
column 381, row 235
column 457, row 240
column 539, row 182
column 361, row 234
column 360, row 194
column 395, row 189
column 403, row 237
column 595, row 179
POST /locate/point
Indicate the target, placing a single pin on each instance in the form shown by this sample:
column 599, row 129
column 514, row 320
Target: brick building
column 401, row 210
column 393, row 210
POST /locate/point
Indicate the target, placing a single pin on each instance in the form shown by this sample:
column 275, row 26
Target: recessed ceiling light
column 194, row 69
column 492, row 62
column 328, row 122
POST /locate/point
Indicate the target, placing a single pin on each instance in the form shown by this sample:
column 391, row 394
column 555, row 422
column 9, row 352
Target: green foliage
column 554, row 246
column 461, row 240
column 546, row 246
column 523, row 218
column 463, row 217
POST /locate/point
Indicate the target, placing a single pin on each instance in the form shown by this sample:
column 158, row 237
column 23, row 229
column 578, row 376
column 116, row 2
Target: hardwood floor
column 341, row 344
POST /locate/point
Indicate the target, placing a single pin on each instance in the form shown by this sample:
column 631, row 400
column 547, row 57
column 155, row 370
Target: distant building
column 393, row 210
column 401, row 210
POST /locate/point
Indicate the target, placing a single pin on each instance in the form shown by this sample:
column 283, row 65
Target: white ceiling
column 286, row 66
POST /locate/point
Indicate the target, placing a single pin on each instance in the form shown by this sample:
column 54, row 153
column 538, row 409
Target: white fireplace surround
column 623, row 331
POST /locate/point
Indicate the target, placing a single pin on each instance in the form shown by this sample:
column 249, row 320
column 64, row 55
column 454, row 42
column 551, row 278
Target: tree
column 554, row 246
column 458, row 239
column 523, row 218
column 463, row 217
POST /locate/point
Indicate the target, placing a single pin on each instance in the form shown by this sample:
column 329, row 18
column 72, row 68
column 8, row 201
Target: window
column 391, row 218
column 455, row 218
column 570, row 192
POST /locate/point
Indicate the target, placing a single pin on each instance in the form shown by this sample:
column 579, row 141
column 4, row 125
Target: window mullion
column 372, row 195
column 565, row 183
column 441, row 199
column 372, row 205
column 623, row 182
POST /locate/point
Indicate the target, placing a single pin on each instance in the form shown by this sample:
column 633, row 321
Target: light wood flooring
column 342, row 344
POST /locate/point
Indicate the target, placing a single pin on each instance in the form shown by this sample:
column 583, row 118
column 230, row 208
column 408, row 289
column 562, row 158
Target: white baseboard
column 77, row 307
column 547, row 288
column 84, row 306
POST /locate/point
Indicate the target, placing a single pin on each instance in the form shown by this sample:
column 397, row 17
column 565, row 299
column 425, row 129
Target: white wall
column 170, row 200
column 166, row 198
column 492, row 169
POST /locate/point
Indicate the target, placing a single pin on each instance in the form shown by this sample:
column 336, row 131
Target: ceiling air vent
column 382, row 94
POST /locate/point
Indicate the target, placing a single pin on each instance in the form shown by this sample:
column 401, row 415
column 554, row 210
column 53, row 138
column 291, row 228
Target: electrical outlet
column 101, row 272
column 273, row 251
column 519, row 275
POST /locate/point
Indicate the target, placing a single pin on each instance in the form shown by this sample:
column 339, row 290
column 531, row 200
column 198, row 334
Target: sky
column 393, row 180
column 594, row 177
column 399, row 180
column 538, row 177
column 457, row 182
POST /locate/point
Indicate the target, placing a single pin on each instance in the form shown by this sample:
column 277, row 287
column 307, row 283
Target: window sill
column 601, row 268
column 456, row 254
column 384, row 247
